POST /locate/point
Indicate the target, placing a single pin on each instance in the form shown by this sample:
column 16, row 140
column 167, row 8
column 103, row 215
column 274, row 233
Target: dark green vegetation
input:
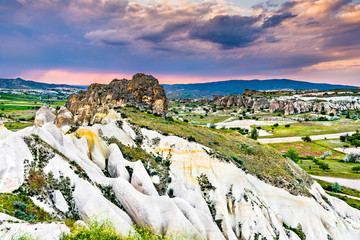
column 298, row 231
column 259, row 160
column 19, row 205
column 310, row 158
column 354, row 139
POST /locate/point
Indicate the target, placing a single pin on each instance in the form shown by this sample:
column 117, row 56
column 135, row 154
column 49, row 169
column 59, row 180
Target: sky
column 79, row 42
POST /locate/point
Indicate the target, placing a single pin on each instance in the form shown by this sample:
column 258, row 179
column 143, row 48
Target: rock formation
column 289, row 106
column 235, row 205
column 143, row 91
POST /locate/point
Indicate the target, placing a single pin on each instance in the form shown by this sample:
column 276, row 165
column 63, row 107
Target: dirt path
column 350, row 183
column 298, row 139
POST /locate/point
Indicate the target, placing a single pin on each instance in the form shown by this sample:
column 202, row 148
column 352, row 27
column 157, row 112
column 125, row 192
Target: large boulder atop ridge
column 143, row 91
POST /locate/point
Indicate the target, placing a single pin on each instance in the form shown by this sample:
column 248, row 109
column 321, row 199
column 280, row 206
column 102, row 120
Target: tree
column 356, row 169
column 336, row 187
column 306, row 138
column 254, row 134
column 293, row 154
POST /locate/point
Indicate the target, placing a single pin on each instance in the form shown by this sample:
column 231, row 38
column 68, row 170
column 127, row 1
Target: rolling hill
column 233, row 87
column 21, row 83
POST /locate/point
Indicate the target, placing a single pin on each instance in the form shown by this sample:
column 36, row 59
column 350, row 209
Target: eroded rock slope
column 177, row 187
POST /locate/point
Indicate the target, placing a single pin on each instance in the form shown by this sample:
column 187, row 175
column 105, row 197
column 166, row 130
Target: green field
column 312, row 128
column 24, row 107
column 316, row 149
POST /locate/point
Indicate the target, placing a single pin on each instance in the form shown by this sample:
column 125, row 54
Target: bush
column 307, row 138
column 325, row 155
column 254, row 134
column 287, row 125
column 191, row 139
column 352, row 158
column 293, row 154
column 323, row 165
column 336, row 187
column 356, row 169
column 276, row 125
column 343, row 138
column 19, row 205
column 158, row 159
column 119, row 123
column 250, row 149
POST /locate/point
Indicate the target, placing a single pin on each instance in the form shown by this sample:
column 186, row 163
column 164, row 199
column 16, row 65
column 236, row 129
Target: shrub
column 123, row 115
column 323, row 165
column 254, row 134
column 356, row 169
column 191, row 139
column 336, row 187
column 352, row 158
column 293, row 154
column 343, row 138
column 287, row 125
column 250, row 149
column 325, row 155
column 72, row 129
column 19, row 205
column 119, row 123
column 158, row 158
column 276, row 125
column 307, row 138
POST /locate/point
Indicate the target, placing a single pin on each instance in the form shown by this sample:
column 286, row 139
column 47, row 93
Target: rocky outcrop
column 248, row 92
column 143, row 91
column 288, row 106
column 44, row 115
column 211, row 199
column 64, row 117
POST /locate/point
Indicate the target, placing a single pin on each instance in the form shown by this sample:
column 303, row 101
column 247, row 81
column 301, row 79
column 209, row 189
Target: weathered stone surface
column 44, row 115
column 289, row 106
column 64, row 117
column 142, row 90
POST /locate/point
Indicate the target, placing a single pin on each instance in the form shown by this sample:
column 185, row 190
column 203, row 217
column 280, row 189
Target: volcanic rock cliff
column 289, row 106
column 143, row 91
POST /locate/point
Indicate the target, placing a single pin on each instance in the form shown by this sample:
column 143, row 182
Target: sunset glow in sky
column 180, row 41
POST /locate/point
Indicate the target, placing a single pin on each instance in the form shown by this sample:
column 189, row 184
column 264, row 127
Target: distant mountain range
column 234, row 87
column 21, row 83
column 196, row 90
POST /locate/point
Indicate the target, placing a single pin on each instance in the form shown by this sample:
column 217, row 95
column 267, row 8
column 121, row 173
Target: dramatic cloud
column 207, row 39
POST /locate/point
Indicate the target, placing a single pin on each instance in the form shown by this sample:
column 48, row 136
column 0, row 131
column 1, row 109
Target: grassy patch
column 350, row 201
column 105, row 230
column 12, row 204
column 16, row 125
column 316, row 149
column 262, row 161
column 345, row 190
column 312, row 128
